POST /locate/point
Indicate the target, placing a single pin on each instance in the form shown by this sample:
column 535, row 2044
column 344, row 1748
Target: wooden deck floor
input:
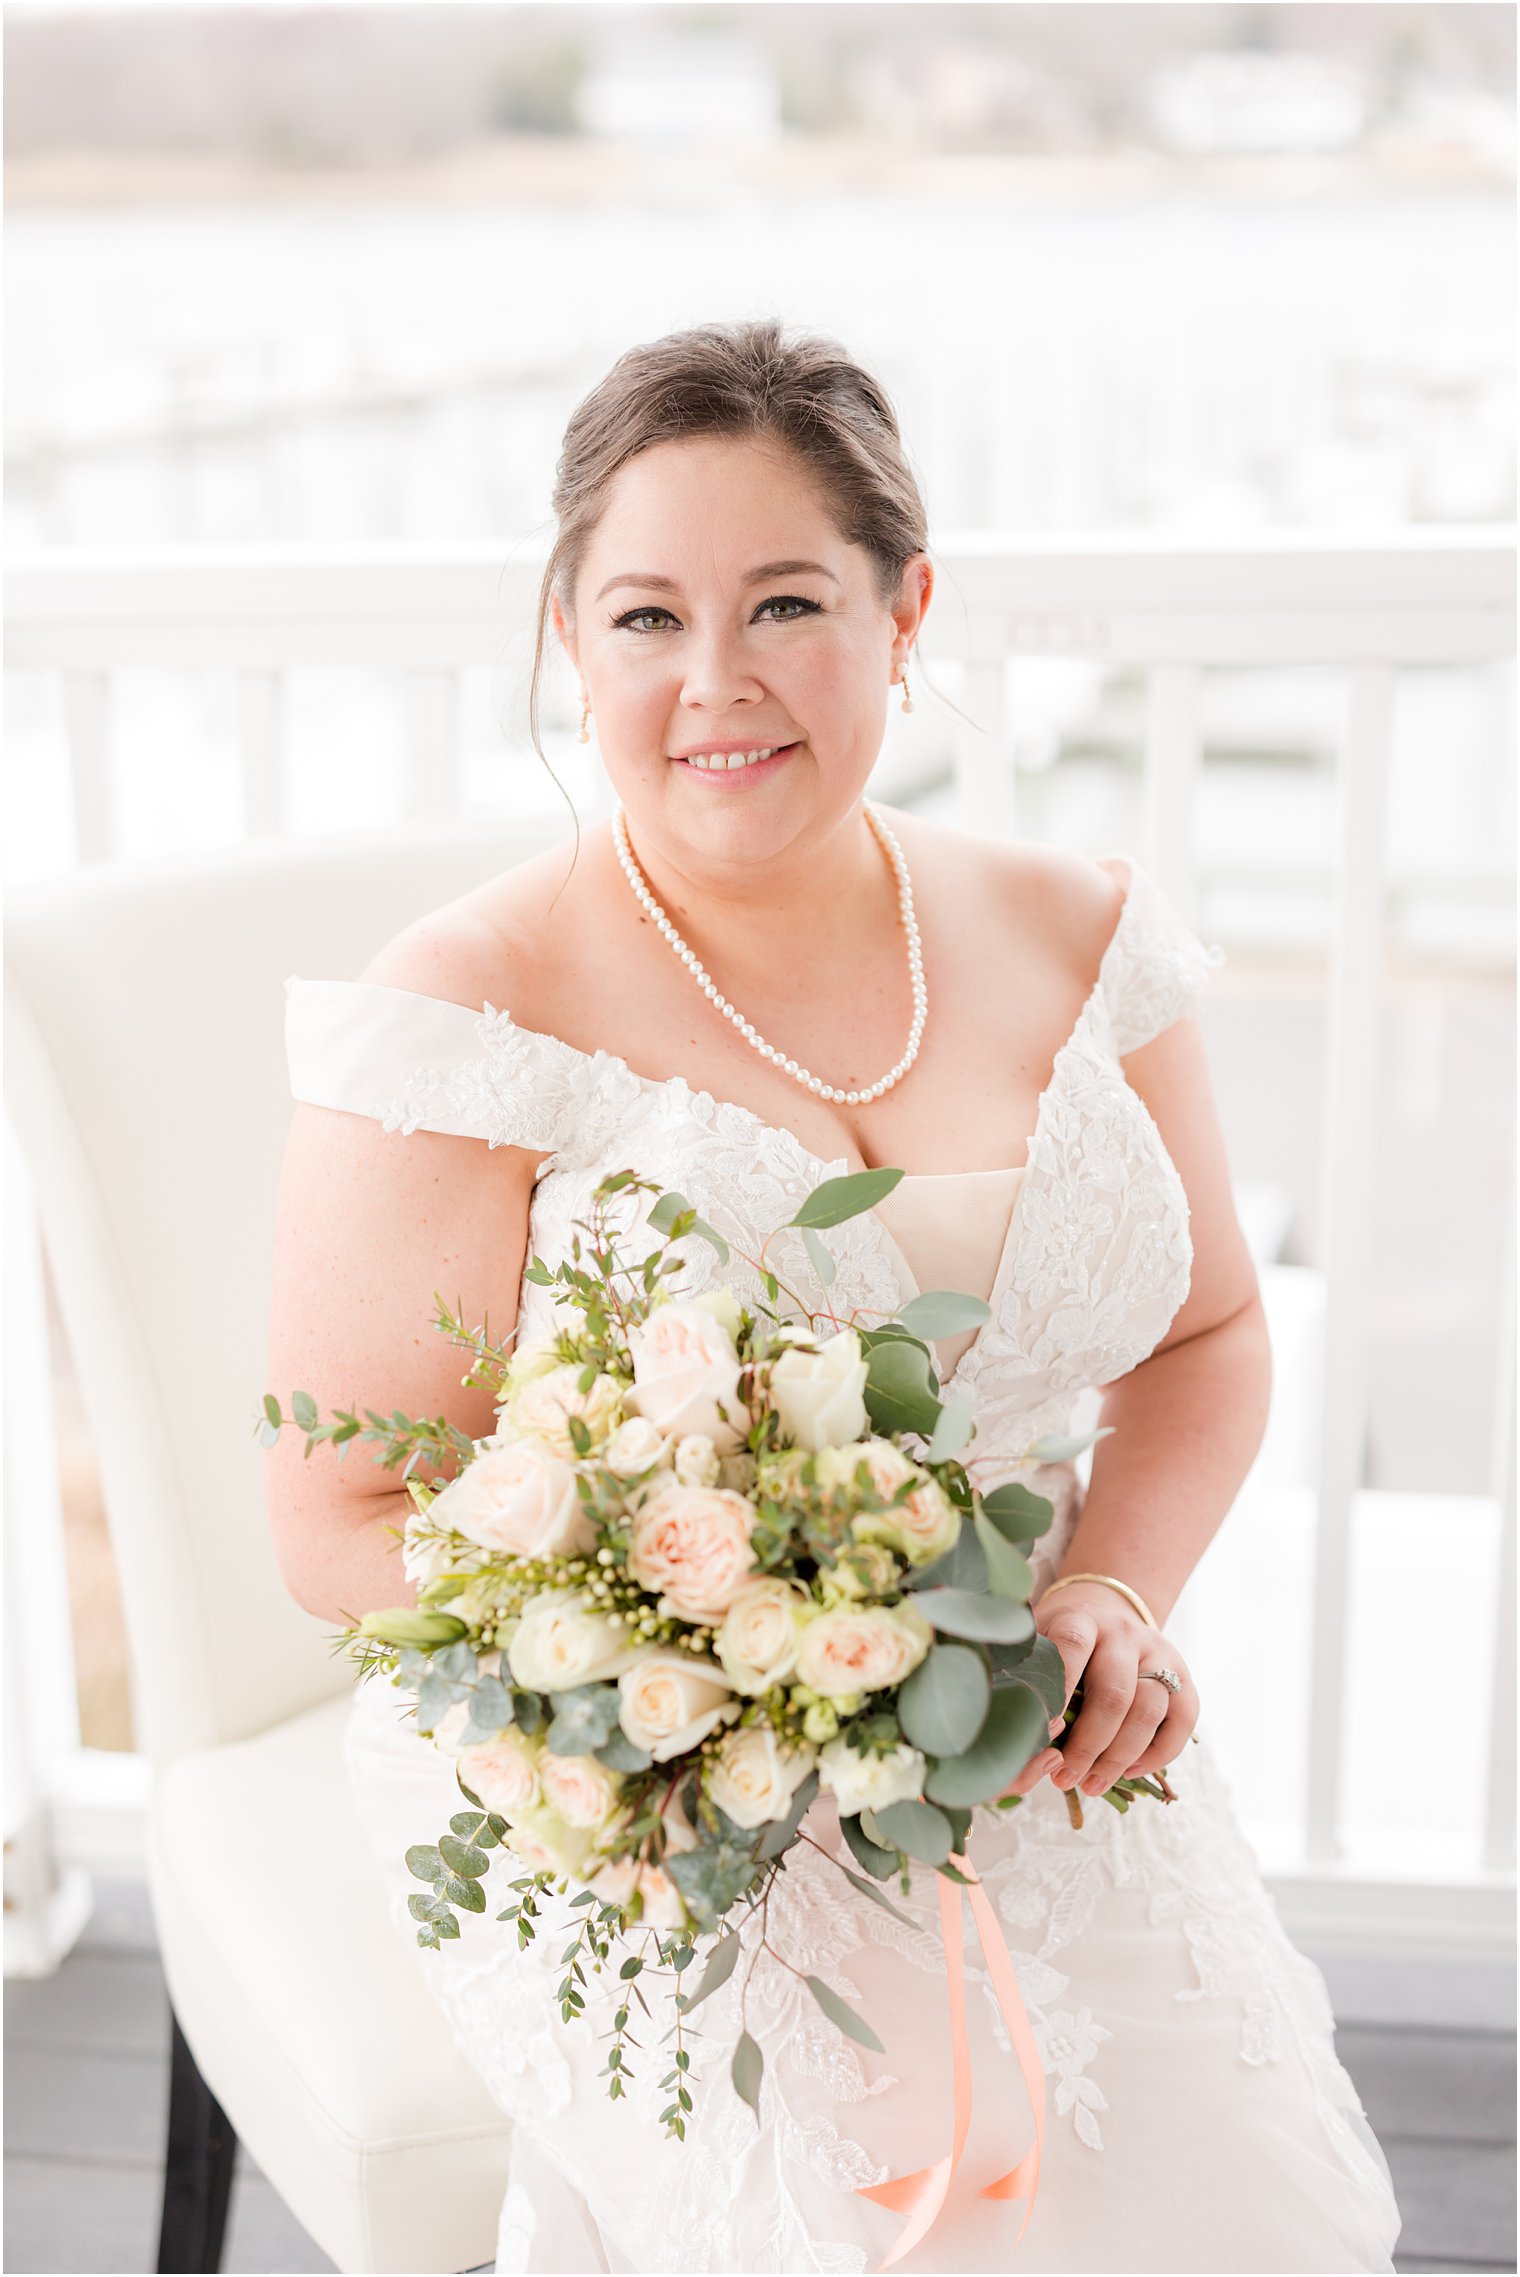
column 86, row 2082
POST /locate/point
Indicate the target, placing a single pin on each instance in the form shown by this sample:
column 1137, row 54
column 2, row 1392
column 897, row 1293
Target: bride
column 754, row 977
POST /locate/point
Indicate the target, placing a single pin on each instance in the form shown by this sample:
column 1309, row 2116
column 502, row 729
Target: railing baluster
column 1170, row 796
column 1349, row 1154
column 432, row 742
column 1499, row 1807
column 87, row 723
column 261, row 748
column 984, row 787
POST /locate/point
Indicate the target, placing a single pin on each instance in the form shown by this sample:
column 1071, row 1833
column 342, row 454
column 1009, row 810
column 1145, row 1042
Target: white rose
column 870, row 1782
column 686, row 1374
column 724, row 1306
column 696, row 1460
column 519, row 1497
column 615, row 1881
column 544, row 1405
column 753, row 1778
column 633, row 1447
column 561, row 1642
column 664, row 1906
column 922, row 1527
column 757, row 1642
column 690, row 1546
column 503, row 1772
column 531, row 1356
column 543, row 1841
column 583, row 1791
column 670, row 1700
column 865, row 1648
column 818, row 1395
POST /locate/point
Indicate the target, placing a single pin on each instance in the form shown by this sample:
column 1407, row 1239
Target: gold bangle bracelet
column 1123, row 1588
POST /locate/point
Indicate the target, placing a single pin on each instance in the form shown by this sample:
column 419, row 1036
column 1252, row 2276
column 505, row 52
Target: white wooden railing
column 1176, row 610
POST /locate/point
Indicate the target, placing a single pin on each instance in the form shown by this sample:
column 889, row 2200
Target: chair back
column 146, row 1082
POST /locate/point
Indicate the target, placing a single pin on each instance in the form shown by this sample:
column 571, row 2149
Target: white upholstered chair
column 146, row 1081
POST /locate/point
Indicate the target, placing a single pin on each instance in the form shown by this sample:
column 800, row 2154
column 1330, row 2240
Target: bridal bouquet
column 710, row 1562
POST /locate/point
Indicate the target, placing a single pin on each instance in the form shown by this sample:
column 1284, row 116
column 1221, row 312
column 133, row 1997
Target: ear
column 912, row 601
column 562, row 631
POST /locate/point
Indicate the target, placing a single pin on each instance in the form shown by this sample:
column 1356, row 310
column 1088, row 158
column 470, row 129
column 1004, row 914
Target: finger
column 1108, row 1690
column 1173, row 1734
column 1147, row 1713
column 1038, row 1768
column 1073, row 1632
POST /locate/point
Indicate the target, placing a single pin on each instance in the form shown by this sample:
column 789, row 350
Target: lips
column 738, row 774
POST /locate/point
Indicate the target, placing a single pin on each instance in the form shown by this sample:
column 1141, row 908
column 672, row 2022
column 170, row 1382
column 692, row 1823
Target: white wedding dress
column 1198, row 2117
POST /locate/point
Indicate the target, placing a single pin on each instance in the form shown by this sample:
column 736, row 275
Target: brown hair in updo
column 744, row 378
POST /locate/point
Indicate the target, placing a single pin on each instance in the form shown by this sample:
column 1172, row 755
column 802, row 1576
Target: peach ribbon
column 921, row 2195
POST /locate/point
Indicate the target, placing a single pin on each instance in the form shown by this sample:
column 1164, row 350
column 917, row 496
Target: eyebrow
column 669, row 585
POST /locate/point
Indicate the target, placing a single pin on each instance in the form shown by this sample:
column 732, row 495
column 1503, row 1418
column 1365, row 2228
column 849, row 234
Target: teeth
column 733, row 758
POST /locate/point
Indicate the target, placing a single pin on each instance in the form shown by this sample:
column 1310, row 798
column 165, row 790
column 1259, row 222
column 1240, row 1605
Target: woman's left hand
column 1127, row 1725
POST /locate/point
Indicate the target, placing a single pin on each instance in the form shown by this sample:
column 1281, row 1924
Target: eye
column 631, row 618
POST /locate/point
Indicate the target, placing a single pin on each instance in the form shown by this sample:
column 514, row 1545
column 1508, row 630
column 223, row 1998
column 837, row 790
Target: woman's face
column 718, row 609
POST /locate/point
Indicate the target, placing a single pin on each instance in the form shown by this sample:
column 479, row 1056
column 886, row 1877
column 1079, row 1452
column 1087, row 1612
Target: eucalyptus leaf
column 1017, row 1726
column 779, row 1834
column 918, row 1828
column 747, row 2069
column 423, row 1861
column 671, row 1206
column 1039, row 1664
column 268, row 1433
column 943, row 1312
column 898, row 1392
column 618, row 1752
column 817, row 1249
column 953, row 1429
column 584, row 1719
column 962, row 1567
column 1059, row 1449
column 1008, row 1570
column 463, row 1857
column 456, row 1661
column 837, row 1199
column 1018, row 1515
column 963, row 1614
column 839, row 2012
column 869, row 1889
column 721, row 1963
column 941, row 1706
column 491, row 1710
column 464, row 1893
column 875, row 1859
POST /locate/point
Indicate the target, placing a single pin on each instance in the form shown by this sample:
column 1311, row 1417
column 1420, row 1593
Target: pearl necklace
column 731, row 1012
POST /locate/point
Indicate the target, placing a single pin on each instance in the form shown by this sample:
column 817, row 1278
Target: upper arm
column 369, row 1223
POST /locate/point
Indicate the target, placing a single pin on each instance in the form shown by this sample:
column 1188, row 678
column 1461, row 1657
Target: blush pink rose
column 519, row 1497
column 686, row 1375
column 691, row 1544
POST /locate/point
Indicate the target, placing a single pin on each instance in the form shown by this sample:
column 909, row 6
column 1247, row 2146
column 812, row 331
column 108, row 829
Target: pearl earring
column 585, row 733
column 907, row 702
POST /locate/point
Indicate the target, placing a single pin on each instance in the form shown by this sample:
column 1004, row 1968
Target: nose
column 715, row 676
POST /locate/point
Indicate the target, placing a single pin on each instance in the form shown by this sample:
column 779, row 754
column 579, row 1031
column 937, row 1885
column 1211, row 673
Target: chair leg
column 201, row 2152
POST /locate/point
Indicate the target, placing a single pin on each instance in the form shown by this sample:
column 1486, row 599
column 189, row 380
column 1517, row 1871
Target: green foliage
column 961, row 1613
column 919, row 1829
column 1017, row 1726
column 837, row 1199
column 941, row 1706
column 839, row 2011
column 584, row 1719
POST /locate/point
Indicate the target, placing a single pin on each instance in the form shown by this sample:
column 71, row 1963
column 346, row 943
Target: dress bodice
column 1083, row 1253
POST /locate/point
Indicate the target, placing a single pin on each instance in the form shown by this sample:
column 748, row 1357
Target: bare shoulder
column 496, row 943
column 1040, row 901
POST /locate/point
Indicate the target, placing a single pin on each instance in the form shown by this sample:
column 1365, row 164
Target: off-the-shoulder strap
column 416, row 1062
column 1157, row 967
